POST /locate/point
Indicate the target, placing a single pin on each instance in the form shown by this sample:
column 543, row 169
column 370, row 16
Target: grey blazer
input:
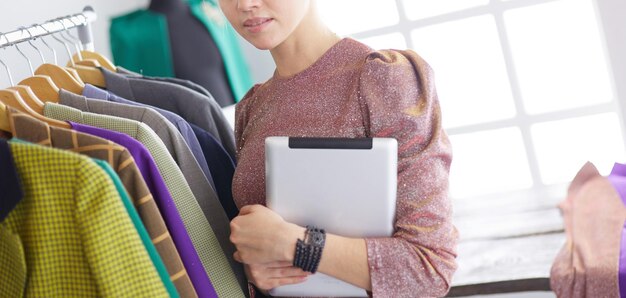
column 194, row 107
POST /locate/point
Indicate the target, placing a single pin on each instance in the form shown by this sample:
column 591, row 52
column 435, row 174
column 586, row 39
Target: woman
column 325, row 86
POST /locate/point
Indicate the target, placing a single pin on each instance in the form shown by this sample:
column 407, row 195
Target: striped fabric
column 32, row 130
column 78, row 239
column 213, row 258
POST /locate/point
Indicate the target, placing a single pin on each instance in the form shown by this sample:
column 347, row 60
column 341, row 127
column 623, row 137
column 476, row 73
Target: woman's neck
column 303, row 47
column 165, row 6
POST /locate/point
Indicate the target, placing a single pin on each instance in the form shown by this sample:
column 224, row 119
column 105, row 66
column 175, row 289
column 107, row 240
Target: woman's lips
column 256, row 25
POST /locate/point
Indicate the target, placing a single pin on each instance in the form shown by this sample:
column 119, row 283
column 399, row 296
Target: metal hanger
column 103, row 61
column 26, row 92
column 87, row 68
column 4, row 118
column 60, row 76
column 41, row 85
column 54, row 52
column 13, row 99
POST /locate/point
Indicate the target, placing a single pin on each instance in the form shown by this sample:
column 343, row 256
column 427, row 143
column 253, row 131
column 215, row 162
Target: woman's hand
column 261, row 236
column 268, row 276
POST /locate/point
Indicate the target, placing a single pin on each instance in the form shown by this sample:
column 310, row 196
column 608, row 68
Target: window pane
column 558, row 55
column 488, row 162
column 419, row 9
column 471, row 77
column 563, row 146
column 351, row 16
column 389, row 41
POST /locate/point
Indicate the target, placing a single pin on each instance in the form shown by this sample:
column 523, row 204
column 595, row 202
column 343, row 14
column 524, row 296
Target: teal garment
column 140, row 42
column 143, row 233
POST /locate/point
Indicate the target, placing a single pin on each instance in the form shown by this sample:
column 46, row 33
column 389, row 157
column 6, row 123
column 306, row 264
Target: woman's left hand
column 262, row 236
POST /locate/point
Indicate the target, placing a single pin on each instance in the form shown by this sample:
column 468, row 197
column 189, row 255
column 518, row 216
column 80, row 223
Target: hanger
column 86, row 69
column 85, row 55
column 4, row 118
column 43, row 86
column 13, row 99
column 27, row 94
column 60, row 76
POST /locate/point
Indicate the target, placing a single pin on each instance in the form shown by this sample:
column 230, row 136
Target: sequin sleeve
column 398, row 99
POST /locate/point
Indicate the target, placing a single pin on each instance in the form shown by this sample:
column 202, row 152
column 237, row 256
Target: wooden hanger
column 43, row 87
column 104, row 61
column 87, row 62
column 73, row 73
column 90, row 75
column 88, row 72
column 13, row 99
column 4, row 119
column 30, row 98
column 61, row 78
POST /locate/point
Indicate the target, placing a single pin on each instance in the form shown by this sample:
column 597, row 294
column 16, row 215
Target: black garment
column 194, row 53
column 222, row 169
column 10, row 187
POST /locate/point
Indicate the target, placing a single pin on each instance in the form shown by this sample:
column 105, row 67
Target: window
column 525, row 86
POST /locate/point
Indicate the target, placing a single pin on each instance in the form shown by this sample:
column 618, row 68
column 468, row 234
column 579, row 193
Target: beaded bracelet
column 309, row 252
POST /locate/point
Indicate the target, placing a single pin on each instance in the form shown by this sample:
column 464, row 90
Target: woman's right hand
column 271, row 275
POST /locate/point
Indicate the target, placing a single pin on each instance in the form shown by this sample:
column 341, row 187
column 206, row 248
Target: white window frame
column 612, row 16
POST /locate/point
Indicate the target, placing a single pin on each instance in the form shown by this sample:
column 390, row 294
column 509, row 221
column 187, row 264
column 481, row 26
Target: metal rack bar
column 82, row 21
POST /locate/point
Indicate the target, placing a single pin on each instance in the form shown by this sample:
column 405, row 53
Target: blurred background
column 530, row 89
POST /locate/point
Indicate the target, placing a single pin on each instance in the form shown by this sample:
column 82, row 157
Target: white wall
column 27, row 12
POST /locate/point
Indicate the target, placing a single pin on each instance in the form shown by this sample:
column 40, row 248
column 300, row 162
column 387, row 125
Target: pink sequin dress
column 353, row 91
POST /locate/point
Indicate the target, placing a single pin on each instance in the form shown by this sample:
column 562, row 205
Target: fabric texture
column 588, row 263
column 162, row 196
column 143, row 234
column 140, row 32
column 10, row 187
column 12, row 263
column 32, row 130
column 70, row 203
column 353, row 91
column 618, row 180
column 213, row 206
column 200, row 231
column 166, row 131
column 222, row 168
column 192, row 106
column 185, row 83
column 181, row 125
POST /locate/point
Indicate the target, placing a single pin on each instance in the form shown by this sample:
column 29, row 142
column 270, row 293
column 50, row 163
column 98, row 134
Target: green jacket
column 140, row 42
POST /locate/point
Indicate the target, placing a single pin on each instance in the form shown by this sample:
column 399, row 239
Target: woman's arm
column 263, row 237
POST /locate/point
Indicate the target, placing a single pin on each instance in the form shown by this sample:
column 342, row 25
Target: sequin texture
column 353, row 91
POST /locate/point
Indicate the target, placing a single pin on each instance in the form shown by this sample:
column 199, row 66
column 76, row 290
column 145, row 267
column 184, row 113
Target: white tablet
column 346, row 186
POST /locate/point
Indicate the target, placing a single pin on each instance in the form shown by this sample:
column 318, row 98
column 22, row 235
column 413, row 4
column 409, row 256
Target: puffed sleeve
column 398, row 99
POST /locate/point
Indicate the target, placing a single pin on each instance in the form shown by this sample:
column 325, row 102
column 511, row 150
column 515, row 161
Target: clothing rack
column 81, row 21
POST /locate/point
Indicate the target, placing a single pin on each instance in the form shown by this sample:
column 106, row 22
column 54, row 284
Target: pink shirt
column 353, row 91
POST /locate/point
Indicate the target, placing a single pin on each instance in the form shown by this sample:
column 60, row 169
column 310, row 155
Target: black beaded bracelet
column 309, row 252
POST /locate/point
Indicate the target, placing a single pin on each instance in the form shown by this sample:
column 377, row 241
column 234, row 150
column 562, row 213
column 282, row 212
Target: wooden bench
column 506, row 248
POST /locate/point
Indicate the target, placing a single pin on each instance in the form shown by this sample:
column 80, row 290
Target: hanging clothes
column 219, row 163
column 83, row 214
column 201, row 232
column 32, row 130
column 192, row 106
column 163, row 198
column 588, row 264
column 194, row 173
column 140, row 42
